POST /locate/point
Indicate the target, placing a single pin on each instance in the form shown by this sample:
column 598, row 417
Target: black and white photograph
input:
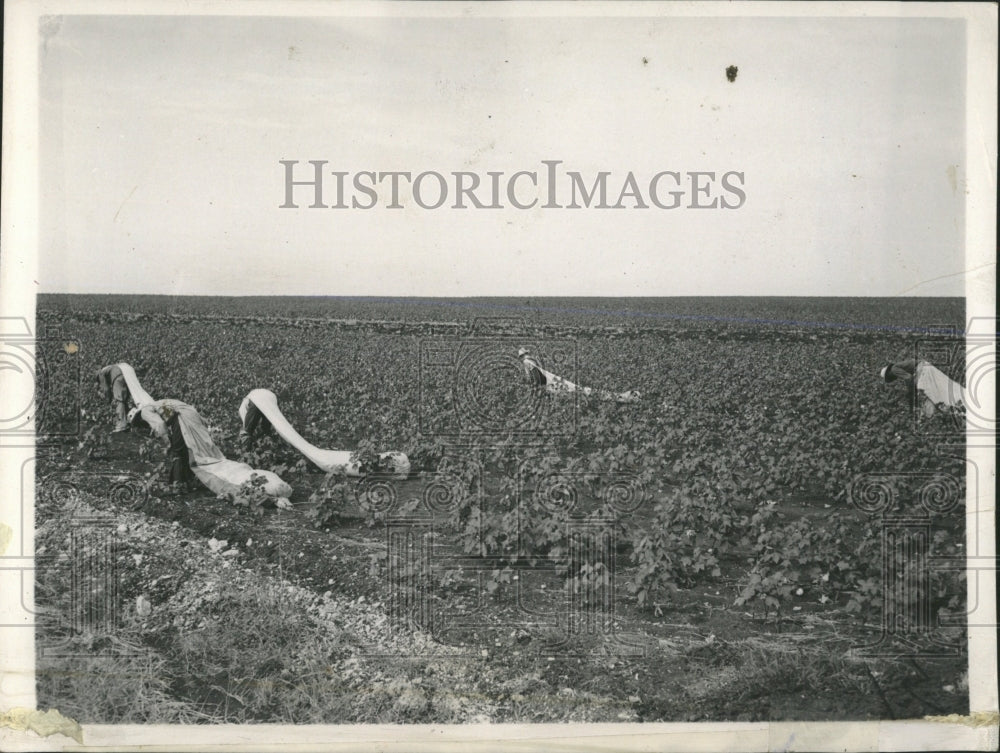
column 608, row 376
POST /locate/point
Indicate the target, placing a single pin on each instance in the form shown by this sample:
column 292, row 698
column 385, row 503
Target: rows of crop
column 728, row 432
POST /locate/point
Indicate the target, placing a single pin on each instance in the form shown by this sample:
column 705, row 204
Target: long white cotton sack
column 328, row 460
column 938, row 386
column 210, row 466
column 558, row 385
column 139, row 396
column 227, row 476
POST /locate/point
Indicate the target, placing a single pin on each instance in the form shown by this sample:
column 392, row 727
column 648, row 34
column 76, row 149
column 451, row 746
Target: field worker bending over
column 259, row 411
column 539, row 378
column 532, row 371
column 164, row 423
column 111, row 384
column 253, row 422
column 939, row 391
column 192, row 451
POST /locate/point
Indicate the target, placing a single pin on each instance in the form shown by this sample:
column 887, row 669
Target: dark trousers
column 178, row 455
column 180, row 467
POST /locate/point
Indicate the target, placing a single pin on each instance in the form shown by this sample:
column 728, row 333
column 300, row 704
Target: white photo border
column 20, row 239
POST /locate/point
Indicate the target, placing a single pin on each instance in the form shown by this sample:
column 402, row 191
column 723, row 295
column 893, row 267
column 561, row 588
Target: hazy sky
column 161, row 139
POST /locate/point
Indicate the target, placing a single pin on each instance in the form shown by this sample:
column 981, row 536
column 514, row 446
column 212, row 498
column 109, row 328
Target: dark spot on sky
column 645, row 61
column 731, row 72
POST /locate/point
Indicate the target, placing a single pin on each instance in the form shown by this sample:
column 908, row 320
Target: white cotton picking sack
column 227, row 476
column 328, row 460
column 937, row 386
column 558, row 385
column 210, row 466
column 139, row 396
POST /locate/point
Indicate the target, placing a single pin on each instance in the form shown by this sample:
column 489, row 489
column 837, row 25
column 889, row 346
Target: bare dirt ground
column 231, row 617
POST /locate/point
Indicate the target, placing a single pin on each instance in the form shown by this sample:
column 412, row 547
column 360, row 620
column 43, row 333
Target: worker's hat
column 132, row 414
column 522, row 352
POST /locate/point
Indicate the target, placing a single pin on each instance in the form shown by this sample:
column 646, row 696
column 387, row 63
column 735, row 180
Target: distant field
column 861, row 313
